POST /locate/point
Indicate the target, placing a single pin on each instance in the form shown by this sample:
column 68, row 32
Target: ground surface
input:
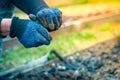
column 100, row 62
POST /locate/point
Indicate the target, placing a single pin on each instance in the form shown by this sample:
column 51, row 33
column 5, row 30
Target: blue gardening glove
column 51, row 19
column 29, row 33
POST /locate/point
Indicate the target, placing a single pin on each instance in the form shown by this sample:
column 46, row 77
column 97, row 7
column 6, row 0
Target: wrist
column 5, row 26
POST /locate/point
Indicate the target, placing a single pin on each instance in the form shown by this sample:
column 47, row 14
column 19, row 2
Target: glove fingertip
column 50, row 38
column 47, row 43
column 26, row 46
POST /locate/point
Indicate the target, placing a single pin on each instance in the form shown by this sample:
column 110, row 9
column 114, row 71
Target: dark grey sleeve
column 30, row 6
column 0, row 27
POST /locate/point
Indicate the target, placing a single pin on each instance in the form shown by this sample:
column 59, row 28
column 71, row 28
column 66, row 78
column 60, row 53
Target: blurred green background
column 74, row 38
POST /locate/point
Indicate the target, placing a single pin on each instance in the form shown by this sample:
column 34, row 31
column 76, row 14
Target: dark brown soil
column 100, row 62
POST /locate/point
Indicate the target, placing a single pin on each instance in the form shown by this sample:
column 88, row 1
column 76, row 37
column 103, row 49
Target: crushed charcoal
column 102, row 63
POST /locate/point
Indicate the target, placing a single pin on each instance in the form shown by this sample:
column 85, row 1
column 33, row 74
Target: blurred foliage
column 87, row 26
column 73, row 41
column 106, row 27
column 80, row 1
column 96, row 1
column 51, row 56
column 62, row 3
column 61, row 44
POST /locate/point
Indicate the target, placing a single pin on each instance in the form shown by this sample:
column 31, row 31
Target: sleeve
column 0, row 27
column 30, row 6
column 0, row 19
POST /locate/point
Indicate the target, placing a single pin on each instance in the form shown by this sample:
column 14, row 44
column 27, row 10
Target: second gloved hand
column 50, row 18
column 29, row 33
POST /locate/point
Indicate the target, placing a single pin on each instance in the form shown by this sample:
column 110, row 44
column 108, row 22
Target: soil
column 100, row 62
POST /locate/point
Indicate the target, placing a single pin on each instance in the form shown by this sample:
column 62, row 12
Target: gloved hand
column 50, row 18
column 29, row 33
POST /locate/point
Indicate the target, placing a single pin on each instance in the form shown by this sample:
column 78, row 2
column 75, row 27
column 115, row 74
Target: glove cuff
column 41, row 6
column 12, row 27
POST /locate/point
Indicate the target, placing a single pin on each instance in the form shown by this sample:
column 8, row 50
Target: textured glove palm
column 51, row 19
column 29, row 33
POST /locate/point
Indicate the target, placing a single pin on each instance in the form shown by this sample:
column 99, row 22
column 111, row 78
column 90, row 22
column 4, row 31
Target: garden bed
column 99, row 62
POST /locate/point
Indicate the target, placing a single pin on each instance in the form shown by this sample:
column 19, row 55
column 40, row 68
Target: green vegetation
column 63, row 44
column 78, row 2
column 87, row 26
column 93, row 1
column 51, row 57
column 70, row 42
column 106, row 27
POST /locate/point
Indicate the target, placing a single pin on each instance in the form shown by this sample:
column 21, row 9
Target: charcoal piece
column 112, row 71
column 115, row 51
column 52, row 70
column 115, row 60
column 103, row 54
column 78, row 60
column 62, row 68
column 93, row 64
column 117, row 45
column 71, row 65
column 63, row 74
